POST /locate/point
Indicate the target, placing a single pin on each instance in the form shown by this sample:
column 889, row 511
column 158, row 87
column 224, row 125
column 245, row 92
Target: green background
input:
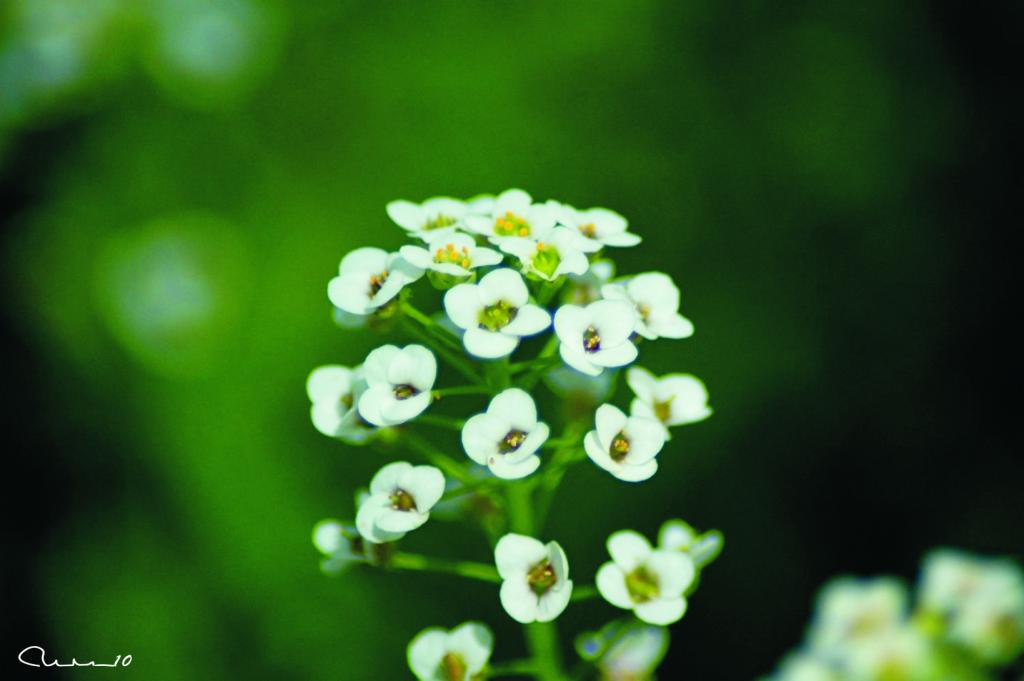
column 183, row 178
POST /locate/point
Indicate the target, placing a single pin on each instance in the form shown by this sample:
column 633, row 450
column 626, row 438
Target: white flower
column 536, row 586
column 673, row 399
column 677, row 535
column 437, row 217
column 368, row 278
column 596, row 336
column 548, row 254
column 625, row 446
column 585, row 288
column 461, row 654
column 850, row 610
column 656, row 300
column 648, row 581
column 803, row 667
column 512, row 214
column 334, row 391
column 456, row 255
column 398, row 384
column 507, row 436
column 597, row 227
column 400, row 499
column 339, row 543
column 635, row 654
column 494, row 313
column 903, row 654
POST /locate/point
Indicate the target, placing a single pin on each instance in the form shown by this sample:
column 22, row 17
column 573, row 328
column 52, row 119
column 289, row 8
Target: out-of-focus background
column 181, row 177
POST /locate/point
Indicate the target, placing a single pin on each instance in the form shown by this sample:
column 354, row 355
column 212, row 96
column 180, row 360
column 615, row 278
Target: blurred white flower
column 495, row 313
column 672, row 400
column 635, row 654
column 507, row 436
column 334, row 391
column 596, row 336
column 536, row 585
column 677, row 535
column 648, row 581
column 597, row 227
column 512, row 214
column 340, row 545
column 625, row 446
column 399, row 381
column 549, row 254
column 436, row 218
column 461, row 654
column 400, row 499
column 803, row 667
column 368, row 278
column 456, row 255
column 656, row 300
column 902, row 654
column 850, row 610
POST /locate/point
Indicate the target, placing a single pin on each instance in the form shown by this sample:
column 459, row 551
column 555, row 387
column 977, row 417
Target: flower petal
column 611, row 584
column 393, row 520
column 328, row 383
column 504, row 467
column 462, row 304
column 386, row 480
column 425, row 484
column 609, row 420
column 489, row 344
column 406, row 215
column 366, row 260
column 637, row 472
column 425, row 652
column 373, row 402
column 614, row 320
column 474, row 642
column 675, row 572
column 377, row 362
column 530, row 319
column 617, row 356
column 570, row 323
column 642, row 382
column 503, row 284
column 515, row 554
column 661, row 611
column 554, row 602
column 481, row 435
column 628, row 549
column 397, row 411
column 519, row 601
column 574, row 356
column 516, row 406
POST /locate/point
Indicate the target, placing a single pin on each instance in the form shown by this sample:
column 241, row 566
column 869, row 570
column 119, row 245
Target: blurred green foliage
column 219, row 157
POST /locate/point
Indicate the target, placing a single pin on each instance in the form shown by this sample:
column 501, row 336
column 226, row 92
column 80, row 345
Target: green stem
column 470, row 488
column 441, row 421
column 449, row 355
column 461, row 568
column 525, row 667
column 548, row 351
column 584, row 593
column 437, row 457
column 462, row 390
column 443, row 334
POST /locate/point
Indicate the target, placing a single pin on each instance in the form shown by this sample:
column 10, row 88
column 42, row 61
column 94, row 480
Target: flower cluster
column 968, row 620
column 519, row 277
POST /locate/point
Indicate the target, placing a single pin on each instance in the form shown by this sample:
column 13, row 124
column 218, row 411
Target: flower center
column 453, row 667
column 511, row 224
column 644, row 310
column 642, row 585
column 497, row 316
column 512, row 441
column 402, row 501
column 405, row 391
column 346, row 401
column 619, row 448
column 438, row 221
column 591, row 340
column 663, row 410
column 377, row 282
column 589, row 230
column 449, row 255
column 546, row 259
column 541, row 577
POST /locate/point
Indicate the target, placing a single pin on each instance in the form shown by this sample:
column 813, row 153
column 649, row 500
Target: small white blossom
column 597, row 227
column 461, row 654
column 434, row 218
column 339, row 543
column 536, row 585
column 549, row 254
column 334, row 391
column 672, row 400
column 399, row 381
column 596, row 336
column 456, row 255
column 368, row 278
column 583, row 289
column 400, row 499
column 851, row 610
column 648, row 581
column 625, row 446
column 635, row 654
column 512, row 214
column 507, row 436
column 656, row 300
column 902, row 654
column 495, row 313
column 677, row 535
column 803, row 667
